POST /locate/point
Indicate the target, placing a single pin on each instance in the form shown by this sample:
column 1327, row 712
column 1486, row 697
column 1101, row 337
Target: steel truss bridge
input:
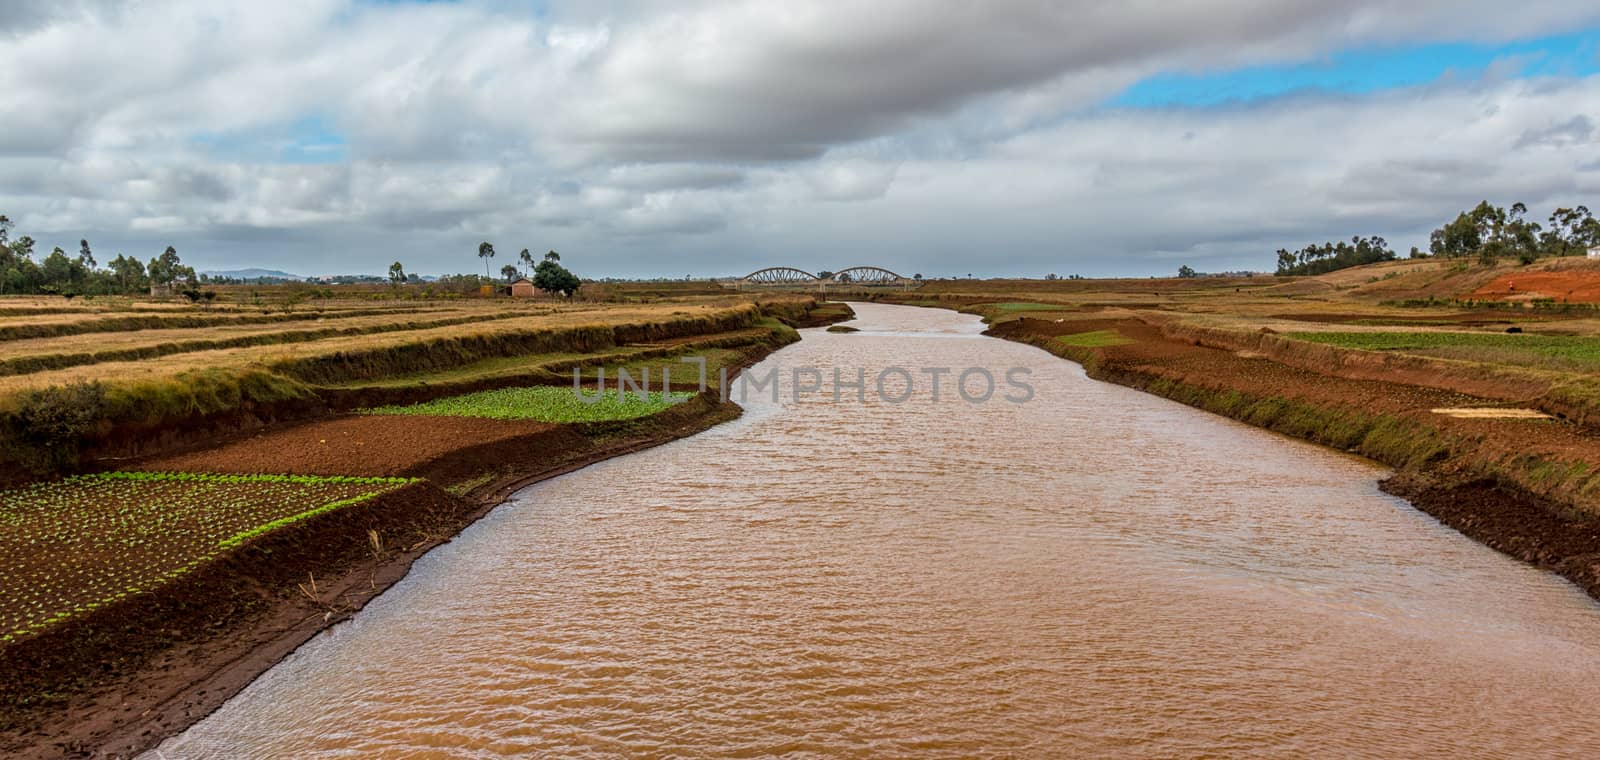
column 853, row 277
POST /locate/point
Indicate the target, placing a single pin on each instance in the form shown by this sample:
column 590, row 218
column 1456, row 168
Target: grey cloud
column 753, row 82
column 193, row 184
column 1578, row 129
column 670, row 176
column 851, row 180
column 21, row 16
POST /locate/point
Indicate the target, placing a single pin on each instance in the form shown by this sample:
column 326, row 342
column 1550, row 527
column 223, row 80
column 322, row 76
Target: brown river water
column 1093, row 572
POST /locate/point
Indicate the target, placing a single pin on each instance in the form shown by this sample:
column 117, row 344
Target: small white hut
column 1594, row 252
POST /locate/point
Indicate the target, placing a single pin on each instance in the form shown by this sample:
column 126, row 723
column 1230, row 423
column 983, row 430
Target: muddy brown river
column 1093, row 572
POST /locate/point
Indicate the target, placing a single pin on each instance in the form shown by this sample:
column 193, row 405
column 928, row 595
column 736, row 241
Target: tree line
column 59, row 273
column 1327, row 257
column 1491, row 233
column 1486, row 232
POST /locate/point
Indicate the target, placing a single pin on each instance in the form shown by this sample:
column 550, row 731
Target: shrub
column 48, row 426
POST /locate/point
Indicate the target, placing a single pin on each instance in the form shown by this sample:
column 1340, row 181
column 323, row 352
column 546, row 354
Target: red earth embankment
column 1569, row 286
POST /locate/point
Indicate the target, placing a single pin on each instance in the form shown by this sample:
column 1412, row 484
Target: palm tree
column 485, row 252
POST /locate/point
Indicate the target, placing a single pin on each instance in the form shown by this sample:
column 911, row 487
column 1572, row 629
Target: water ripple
column 1098, row 572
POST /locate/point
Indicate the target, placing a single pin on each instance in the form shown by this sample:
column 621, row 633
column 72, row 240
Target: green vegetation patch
column 1542, row 351
column 1093, row 339
column 72, row 546
column 543, row 404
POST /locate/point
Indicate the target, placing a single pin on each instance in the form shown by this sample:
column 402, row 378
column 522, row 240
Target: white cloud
column 729, row 133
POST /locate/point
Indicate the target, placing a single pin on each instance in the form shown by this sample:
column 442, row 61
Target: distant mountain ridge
column 254, row 274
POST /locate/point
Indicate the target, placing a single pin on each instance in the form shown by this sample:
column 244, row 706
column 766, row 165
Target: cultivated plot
column 70, row 547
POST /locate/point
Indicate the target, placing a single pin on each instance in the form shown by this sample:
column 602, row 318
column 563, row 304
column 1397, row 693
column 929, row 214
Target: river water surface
column 1094, row 572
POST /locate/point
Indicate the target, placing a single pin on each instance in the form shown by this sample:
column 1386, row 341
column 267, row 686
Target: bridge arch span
column 867, row 276
column 780, row 276
column 792, row 278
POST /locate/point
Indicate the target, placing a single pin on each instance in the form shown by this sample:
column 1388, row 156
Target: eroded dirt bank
column 1514, row 485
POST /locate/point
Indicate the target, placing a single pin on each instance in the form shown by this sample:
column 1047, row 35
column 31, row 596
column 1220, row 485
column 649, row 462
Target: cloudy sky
column 647, row 138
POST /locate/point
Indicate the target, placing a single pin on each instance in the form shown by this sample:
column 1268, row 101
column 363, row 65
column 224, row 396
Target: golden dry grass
column 268, row 355
column 106, row 341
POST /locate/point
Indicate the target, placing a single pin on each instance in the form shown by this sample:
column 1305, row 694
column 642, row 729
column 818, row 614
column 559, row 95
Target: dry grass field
column 133, row 374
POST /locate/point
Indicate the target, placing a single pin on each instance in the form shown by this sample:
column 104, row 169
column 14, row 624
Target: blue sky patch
column 309, row 140
column 1371, row 70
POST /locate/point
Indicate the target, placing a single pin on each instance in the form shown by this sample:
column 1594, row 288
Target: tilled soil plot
column 350, row 445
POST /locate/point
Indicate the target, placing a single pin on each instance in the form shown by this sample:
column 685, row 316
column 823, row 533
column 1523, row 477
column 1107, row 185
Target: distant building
column 522, row 288
column 1594, row 253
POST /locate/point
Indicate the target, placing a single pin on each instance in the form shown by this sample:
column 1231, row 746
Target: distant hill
column 254, row 274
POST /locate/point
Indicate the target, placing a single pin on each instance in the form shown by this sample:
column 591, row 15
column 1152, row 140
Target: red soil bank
column 1578, row 286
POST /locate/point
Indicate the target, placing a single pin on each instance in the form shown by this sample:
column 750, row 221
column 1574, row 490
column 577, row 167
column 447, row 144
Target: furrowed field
column 72, row 546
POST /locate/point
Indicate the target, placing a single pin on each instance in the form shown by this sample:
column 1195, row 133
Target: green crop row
column 543, row 404
column 206, row 477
